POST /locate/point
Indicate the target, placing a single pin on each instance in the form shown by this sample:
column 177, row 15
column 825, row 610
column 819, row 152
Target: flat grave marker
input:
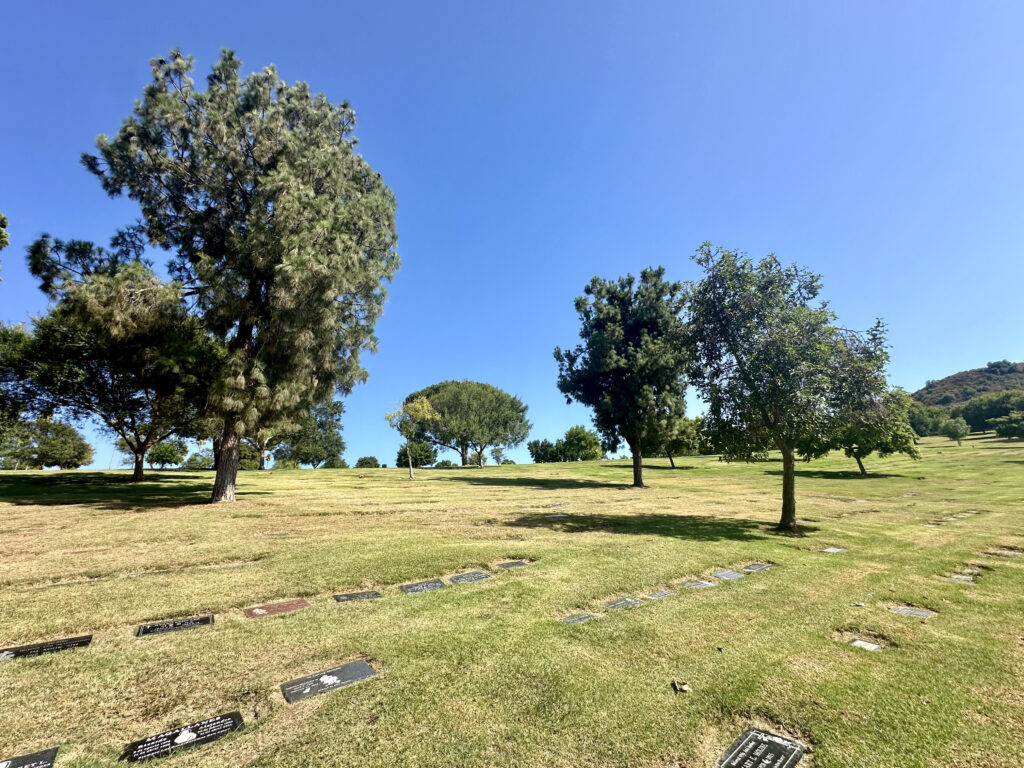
column 865, row 644
column 754, row 567
column 758, row 749
column 174, row 625
column 698, row 584
column 328, row 680
column 44, row 759
column 661, row 593
column 1002, row 552
column 578, row 618
column 558, row 514
column 276, row 609
column 469, row 578
column 626, row 602
column 961, row 578
column 727, row 575
column 50, row 646
column 422, row 586
column 833, row 550
column 185, row 737
column 513, row 564
column 912, row 613
column 370, row 594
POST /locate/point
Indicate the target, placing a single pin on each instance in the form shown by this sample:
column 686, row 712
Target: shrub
column 335, row 462
column 367, row 462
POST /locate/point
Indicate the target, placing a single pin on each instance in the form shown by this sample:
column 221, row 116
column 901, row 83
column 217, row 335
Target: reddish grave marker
column 276, row 609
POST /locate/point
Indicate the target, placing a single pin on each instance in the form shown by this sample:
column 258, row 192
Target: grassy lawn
column 486, row 674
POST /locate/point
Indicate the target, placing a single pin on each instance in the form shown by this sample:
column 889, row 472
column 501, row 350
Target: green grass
column 485, row 674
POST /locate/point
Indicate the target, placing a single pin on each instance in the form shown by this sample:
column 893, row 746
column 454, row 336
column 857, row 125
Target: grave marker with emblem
column 328, row 680
column 758, row 749
column 173, row 625
column 187, row 736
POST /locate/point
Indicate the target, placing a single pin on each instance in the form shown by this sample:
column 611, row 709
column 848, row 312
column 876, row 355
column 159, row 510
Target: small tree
column 167, row 453
column 542, row 451
column 478, row 457
column 1009, row 426
column 956, row 429
column 498, row 455
column 367, row 462
column 767, row 363
column 411, row 418
column 630, row 368
column 47, row 443
column 579, row 444
column 880, row 426
column 423, row 455
column 201, row 460
column 318, row 438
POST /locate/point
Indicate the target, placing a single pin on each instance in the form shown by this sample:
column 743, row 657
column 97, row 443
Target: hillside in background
column 960, row 387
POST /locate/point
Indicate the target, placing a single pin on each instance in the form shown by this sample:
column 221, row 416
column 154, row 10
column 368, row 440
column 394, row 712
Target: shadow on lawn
column 107, row 491
column 691, row 527
column 544, row 483
column 838, row 474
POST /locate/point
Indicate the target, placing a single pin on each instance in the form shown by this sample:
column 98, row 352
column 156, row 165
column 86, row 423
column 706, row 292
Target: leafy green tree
column 445, row 464
column 116, row 346
column 248, row 457
column 413, row 416
column 200, row 460
column 472, row 415
column 479, row 458
column 16, row 445
column 167, row 453
column 335, row 462
column 542, row 451
column 955, row 429
column 43, row 443
column 579, row 444
column 282, row 233
column 631, row 366
column 498, row 455
column 367, row 462
column 1009, row 426
column 926, row 420
column 767, row 362
column 318, row 438
column 685, row 440
column 423, row 455
column 879, row 425
column 979, row 410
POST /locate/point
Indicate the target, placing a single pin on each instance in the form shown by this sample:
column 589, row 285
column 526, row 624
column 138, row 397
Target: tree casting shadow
column 106, row 491
column 690, row 527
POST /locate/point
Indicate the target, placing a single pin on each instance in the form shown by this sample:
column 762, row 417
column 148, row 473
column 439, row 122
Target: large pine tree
column 282, row 235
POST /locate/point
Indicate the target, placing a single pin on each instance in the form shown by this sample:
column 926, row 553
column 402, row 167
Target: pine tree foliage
column 631, row 366
column 282, row 234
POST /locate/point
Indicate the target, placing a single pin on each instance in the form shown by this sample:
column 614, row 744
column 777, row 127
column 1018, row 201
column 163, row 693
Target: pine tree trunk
column 788, row 520
column 638, row 465
column 408, row 455
column 860, row 464
column 227, row 464
column 138, row 470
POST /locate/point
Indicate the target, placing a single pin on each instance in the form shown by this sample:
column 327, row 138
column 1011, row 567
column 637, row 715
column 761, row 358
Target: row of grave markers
column 753, row 749
column 209, row 730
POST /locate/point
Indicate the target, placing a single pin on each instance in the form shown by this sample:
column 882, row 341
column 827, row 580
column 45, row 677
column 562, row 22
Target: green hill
column 962, row 386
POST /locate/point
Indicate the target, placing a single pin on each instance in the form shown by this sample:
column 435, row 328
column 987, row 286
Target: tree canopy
column 471, row 415
column 282, row 235
column 412, row 417
column 631, row 366
column 116, row 345
column 318, row 438
column 42, row 443
column 769, row 364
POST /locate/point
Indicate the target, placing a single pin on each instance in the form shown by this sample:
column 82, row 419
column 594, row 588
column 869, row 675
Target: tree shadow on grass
column 544, row 483
column 836, row 474
column 106, row 491
column 690, row 527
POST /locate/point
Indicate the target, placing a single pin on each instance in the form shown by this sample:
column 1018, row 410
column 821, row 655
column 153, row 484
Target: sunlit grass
column 485, row 674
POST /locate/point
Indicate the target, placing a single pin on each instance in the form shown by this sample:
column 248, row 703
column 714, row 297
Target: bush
column 367, row 462
column 423, row 454
column 1009, row 426
column 169, row 452
column 286, row 464
column 201, row 460
column 335, row 462
column 248, row 456
column 445, row 464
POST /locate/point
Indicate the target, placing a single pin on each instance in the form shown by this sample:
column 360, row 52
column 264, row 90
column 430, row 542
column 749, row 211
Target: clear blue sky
column 532, row 145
